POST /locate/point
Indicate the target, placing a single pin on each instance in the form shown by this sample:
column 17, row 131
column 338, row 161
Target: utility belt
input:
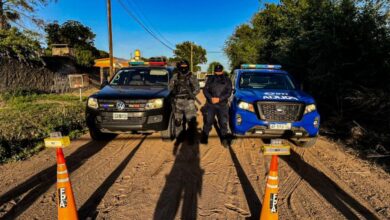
column 183, row 96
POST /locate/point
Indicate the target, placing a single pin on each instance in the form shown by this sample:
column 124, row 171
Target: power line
column 142, row 16
column 152, row 31
column 143, row 25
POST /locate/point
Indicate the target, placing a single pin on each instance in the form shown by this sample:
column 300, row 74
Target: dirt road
column 141, row 177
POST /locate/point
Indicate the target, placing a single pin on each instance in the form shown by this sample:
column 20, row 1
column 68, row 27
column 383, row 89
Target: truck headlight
column 246, row 106
column 93, row 103
column 154, row 104
column 310, row 108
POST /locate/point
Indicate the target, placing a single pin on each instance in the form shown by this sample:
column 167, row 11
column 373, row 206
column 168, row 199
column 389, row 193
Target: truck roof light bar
column 260, row 66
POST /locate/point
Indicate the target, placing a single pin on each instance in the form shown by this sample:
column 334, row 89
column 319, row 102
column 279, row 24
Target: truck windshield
column 141, row 77
column 254, row 80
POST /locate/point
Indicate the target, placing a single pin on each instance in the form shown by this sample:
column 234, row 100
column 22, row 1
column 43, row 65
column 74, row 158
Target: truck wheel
column 307, row 143
column 100, row 136
column 169, row 134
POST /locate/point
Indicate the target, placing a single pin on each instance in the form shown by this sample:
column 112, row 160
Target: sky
column 208, row 23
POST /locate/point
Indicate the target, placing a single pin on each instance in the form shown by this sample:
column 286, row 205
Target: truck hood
column 132, row 92
column 253, row 95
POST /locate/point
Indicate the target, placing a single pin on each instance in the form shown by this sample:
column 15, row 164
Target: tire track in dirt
column 294, row 203
column 22, row 196
column 222, row 196
column 303, row 190
column 331, row 191
column 90, row 176
column 134, row 188
column 169, row 187
column 242, row 160
column 19, row 178
column 14, row 173
column 89, row 207
column 368, row 183
column 40, row 202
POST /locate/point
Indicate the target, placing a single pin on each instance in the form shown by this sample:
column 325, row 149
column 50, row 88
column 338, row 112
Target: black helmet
column 218, row 68
column 183, row 66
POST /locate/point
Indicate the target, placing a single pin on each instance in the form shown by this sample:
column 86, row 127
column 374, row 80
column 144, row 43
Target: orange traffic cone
column 269, row 210
column 66, row 203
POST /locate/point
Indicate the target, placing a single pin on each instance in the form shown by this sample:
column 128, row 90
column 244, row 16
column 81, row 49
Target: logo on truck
column 278, row 96
column 120, row 105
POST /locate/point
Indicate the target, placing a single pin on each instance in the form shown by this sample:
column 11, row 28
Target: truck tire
column 100, row 136
column 307, row 143
column 169, row 134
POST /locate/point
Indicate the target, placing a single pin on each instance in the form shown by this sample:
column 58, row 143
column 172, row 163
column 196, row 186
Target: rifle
column 192, row 96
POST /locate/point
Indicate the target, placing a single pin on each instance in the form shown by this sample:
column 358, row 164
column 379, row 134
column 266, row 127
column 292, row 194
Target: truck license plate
column 286, row 126
column 120, row 116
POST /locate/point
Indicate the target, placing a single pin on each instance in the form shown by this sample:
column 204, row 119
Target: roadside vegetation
column 340, row 51
column 27, row 118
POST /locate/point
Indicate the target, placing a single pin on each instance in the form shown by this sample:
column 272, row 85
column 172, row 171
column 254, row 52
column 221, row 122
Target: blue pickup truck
column 267, row 102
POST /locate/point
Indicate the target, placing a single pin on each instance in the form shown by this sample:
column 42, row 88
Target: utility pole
column 110, row 39
column 192, row 65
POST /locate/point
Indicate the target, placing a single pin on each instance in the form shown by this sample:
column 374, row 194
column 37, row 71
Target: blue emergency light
column 137, row 63
column 260, row 66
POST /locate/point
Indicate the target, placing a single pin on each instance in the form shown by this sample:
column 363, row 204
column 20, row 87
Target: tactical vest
column 183, row 87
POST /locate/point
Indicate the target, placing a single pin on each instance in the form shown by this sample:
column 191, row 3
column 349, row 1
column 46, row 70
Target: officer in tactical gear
column 217, row 91
column 184, row 86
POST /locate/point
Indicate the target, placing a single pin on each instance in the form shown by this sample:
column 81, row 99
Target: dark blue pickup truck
column 267, row 102
column 137, row 99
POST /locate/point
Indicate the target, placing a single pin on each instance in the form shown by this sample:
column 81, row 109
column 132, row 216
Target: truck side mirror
column 104, row 83
column 299, row 85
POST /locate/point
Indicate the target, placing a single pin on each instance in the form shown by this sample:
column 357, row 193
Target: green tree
column 243, row 46
column 183, row 52
column 21, row 45
column 210, row 69
column 71, row 32
column 11, row 11
column 78, row 36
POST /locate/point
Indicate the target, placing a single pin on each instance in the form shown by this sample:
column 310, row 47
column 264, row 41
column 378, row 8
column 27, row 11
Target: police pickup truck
column 268, row 103
column 137, row 99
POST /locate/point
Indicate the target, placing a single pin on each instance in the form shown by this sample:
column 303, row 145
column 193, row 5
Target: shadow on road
column 41, row 182
column 89, row 209
column 336, row 196
column 254, row 203
column 183, row 183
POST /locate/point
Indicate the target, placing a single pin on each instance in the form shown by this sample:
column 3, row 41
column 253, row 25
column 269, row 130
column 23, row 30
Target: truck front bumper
column 248, row 124
column 152, row 120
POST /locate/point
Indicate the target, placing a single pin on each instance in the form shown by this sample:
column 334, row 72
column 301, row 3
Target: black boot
column 204, row 138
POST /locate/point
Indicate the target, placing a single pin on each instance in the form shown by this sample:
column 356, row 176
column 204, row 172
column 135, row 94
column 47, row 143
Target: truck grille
column 130, row 105
column 280, row 111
